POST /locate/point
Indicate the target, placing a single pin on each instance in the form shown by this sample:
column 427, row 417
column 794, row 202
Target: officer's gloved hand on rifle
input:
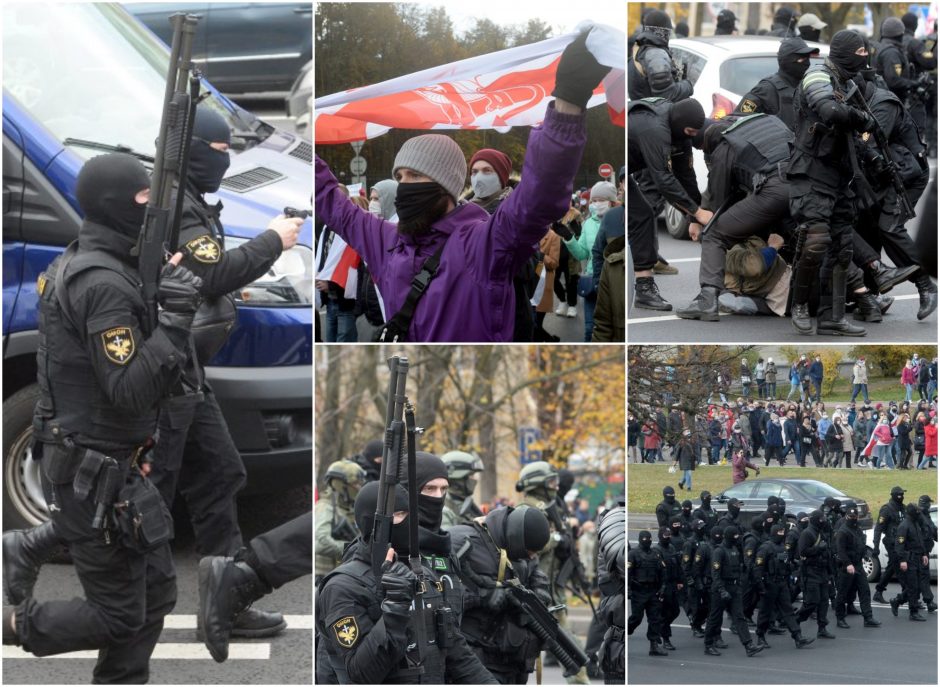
column 497, row 599
column 178, row 295
column 861, row 121
column 578, row 73
column 878, row 169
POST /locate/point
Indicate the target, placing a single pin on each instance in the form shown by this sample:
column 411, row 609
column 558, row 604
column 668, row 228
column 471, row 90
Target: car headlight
column 289, row 282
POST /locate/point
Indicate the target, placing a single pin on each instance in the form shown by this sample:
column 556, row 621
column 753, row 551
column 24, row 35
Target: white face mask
column 375, row 207
column 600, row 208
column 484, row 184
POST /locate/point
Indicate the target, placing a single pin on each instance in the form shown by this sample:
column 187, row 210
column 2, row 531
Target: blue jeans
column 925, row 462
column 863, row 388
column 590, row 303
column 716, row 454
column 931, row 389
column 686, row 479
column 794, row 387
column 884, row 454
column 340, row 326
column 910, row 390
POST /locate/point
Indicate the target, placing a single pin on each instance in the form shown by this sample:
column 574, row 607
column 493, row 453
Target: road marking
column 166, row 651
column 667, row 318
column 672, row 260
column 188, row 622
column 840, row 636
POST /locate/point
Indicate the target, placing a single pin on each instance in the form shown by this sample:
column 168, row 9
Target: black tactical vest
column 760, row 142
column 784, row 100
column 72, row 403
column 905, row 131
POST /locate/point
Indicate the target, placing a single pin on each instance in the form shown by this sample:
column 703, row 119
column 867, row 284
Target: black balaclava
column 851, row 513
column 430, row 508
column 771, row 500
column 717, row 536
column 685, row 113
column 924, row 503
column 731, row 535
column 675, row 525
column 657, row 23
column 842, row 53
column 207, row 165
column 706, row 497
column 687, row 508
column 734, row 508
column 646, row 540
column 913, row 512
column 809, row 33
column 364, row 511
column 105, row 191
column 910, row 22
column 565, row 482
column 669, row 495
column 778, row 533
column 802, row 520
column 665, row 536
column 897, row 495
column 769, row 519
column 829, row 505
column 781, row 507
column 817, row 519
column 698, row 528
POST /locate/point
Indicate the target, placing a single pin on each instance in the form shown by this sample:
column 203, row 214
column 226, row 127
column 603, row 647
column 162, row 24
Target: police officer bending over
column 500, row 546
column 366, row 625
column 102, row 374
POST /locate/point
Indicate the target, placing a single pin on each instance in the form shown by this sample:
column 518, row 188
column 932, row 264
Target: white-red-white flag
column 341, row 265
column 498, row 90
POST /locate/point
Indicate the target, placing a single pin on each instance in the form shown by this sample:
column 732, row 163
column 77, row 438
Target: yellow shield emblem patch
column 716, row 565
column 41, row 283
column 346, row 631
column 119, row 345
column 897, row 69
column 900, row 540
column 685, row 556
column 760, row 561
column 205, row 249
column 881, row 520
column 748, row 106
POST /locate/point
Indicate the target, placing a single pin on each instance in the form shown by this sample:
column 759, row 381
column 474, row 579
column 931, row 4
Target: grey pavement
column 899, row 652
column 648, row 326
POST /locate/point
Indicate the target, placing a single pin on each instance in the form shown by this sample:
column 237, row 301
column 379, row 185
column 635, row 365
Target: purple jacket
column 471, row 297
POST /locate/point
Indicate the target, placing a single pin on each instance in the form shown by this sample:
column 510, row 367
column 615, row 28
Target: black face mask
column 418, row 200
column 399, row 538
column 646, row 543
column 898, row 498
column 207, row 166
column 670, row 499
column 707, row 503
column 430, row 511
column 734, row 509
column 105, row 191
column 842, row 53
column 852, row 520
column 778, row 536
column 731, row 539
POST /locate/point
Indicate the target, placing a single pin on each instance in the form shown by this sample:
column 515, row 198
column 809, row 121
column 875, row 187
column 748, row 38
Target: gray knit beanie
column 605, row 190
column 437, row 157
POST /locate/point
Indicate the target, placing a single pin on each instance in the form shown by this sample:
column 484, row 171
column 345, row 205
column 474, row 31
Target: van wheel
column 23, row 502
column 677, row 224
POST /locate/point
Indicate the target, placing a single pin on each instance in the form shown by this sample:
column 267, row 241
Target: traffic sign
column 357, row 146
column 358, row 165
column 528, row 436
column 606, row 170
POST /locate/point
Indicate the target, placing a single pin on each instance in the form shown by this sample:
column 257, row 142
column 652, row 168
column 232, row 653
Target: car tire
column 23, row 501
column 872, row 567
column 677, row 224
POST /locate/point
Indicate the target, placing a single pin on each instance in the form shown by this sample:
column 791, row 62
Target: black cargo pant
column 848, row 583
column 641, row 224
column 734, row 605
column 196, row 455
column 890, row 571
column 644, row 599
column 670, row 609
column 698, row 605
column 815, row 598
column 912, row 581
column 286, row 552
column 759, row 214
column 775, row 602
column 127, row 596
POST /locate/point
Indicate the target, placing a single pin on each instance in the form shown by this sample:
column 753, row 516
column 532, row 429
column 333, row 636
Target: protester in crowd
column 340, row 308
column 739, row 465
column 908, row 379
column 550, row 252
column 930, row 443
column 633, row 437
column 569, row 268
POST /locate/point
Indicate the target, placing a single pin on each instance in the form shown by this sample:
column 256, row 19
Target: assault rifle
column 158, row 233
column 572, row 568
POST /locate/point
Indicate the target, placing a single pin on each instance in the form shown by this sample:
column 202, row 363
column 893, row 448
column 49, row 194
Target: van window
column 87, row 71
column 692, row 63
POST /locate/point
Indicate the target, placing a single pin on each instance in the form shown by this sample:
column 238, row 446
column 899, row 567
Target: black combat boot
column 825, row 634
column 762, row 642
column 656, row 651
column 802, row 641
column 867, row 308
column 698, row 632
column 840, row 622
column 886, row 278
column 851, row 610
column 720, row 643
column 226, row 588
column 710, row 650
column 831, row 321
column 646, row 295
column 752, row 649
column 895, row 605
column 871, row 622
column 884, row 303
column 703, row 307
column 667, row 644
column 931, row 607
column 917, row 616
column 927, row 292
column 775, row 629
column 801, row 319
column 24, row 552
column 879, row 597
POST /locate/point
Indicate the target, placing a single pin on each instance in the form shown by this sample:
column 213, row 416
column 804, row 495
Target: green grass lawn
column 645, row 482
column 880, row 390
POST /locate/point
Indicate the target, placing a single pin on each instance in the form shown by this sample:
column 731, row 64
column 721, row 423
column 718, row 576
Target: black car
column 804, row 495
column 241, row 47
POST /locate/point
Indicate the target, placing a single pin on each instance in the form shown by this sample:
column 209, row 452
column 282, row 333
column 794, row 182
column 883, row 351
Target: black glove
column 179, row 289
column 497, row 600
column 398, row 582
column 861, row 121
column 725, row 595
column 578, row 73
column 564, row 232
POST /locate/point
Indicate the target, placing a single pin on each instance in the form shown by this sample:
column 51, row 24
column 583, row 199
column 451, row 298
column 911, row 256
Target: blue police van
column 78, row 80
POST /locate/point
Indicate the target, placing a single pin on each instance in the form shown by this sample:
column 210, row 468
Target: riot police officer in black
column 731, row 516
column 912, row 562
column 646, row 573
column 774, row 94
column 673, row 583
column 651, row 70
column 104, row 368
column 890, row 518
column 771, row 571
column 813, row 551
column 850, row 549
column 668, row 507
column 611, row 544
column 705, row 513
column 695, row 558
column 891, row 61
column 727, row 572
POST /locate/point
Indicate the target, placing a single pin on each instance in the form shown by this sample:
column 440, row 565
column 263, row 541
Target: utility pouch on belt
column 60, row 461
column 87, row 474
column 142, row 517
column 445, row 627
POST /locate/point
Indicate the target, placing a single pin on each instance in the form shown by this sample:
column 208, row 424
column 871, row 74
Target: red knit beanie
column 500, row 163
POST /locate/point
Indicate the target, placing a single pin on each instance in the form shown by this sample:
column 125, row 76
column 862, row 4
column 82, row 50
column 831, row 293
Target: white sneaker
column 561, row 310
column 572, row 311
column 702, row 464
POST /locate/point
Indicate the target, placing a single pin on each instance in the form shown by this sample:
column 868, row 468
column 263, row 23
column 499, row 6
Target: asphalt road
column 179, row 657
column 649, row 326
column 899, row 652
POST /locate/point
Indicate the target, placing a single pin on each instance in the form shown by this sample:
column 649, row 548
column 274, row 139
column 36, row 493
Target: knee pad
column 818, row 239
